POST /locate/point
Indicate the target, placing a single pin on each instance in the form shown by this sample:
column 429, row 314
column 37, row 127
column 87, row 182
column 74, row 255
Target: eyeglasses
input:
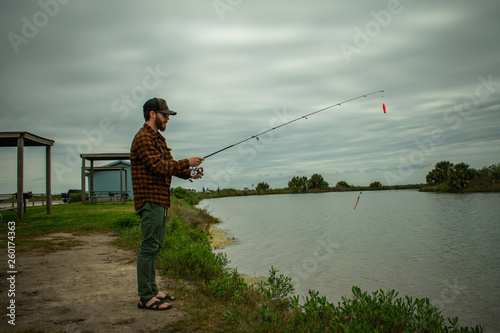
column 163, row 114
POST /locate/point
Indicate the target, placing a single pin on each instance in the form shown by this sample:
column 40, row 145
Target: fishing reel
column 195, row 171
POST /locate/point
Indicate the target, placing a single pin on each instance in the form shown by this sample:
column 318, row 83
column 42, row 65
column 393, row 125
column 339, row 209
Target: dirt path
column 90, row 288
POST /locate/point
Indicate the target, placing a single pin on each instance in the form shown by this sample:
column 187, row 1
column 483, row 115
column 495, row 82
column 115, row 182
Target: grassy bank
column 217, row 299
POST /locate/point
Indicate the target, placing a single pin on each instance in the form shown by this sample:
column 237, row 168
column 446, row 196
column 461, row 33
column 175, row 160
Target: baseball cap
column 158, row 104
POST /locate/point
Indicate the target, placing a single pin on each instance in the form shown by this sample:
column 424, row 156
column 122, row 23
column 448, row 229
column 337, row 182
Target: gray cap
column 158, row 104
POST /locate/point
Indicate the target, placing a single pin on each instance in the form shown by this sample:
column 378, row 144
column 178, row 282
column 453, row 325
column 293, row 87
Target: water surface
column 442, row 246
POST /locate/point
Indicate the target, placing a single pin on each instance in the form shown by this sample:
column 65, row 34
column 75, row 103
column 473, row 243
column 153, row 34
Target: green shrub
column 276, row 288
column 230, row 286
column 187, row 253
column 379, row 312
column 185, row 195
column 272, row 311
column 75, row 197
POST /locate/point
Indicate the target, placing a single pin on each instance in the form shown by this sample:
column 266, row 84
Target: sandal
column 166, row 298
column 155, row 306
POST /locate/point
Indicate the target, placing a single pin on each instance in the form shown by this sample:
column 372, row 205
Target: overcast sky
column 78, row 72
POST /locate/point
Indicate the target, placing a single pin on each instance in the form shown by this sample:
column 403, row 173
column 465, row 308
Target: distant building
column 110, row 180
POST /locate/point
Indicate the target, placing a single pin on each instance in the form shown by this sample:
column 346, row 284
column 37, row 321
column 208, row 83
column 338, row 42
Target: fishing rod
column 256, row 136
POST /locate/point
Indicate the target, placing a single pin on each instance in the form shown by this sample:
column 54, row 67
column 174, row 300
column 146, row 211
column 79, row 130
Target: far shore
column 230, row 192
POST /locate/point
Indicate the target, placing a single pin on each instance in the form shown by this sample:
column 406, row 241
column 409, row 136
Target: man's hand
column 195, row 161
column 198, row 174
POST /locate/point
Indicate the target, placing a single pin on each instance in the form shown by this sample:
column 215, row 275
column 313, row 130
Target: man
column 152, row 169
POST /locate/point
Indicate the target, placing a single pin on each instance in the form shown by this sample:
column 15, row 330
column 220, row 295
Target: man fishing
column 152, row 169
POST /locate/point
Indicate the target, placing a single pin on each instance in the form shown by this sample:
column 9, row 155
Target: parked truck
column 65, row 196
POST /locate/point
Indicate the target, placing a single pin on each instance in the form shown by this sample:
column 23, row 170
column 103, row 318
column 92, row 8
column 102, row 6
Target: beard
column 160, row 124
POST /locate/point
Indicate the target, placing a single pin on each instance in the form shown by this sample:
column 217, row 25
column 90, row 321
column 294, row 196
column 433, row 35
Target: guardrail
column 27, row 198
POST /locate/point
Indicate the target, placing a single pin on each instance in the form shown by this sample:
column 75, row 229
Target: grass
column 216, row 299
column 78, row 219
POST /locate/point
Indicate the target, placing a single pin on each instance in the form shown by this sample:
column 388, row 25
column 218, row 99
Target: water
column 442, row 246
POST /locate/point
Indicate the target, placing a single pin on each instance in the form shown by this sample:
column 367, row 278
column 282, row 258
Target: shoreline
column 220, row 238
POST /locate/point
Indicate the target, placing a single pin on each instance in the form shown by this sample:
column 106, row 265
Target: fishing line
column 256, row 136
column 291, row 121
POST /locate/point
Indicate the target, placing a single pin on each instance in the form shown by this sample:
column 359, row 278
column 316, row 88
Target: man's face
column 161, row 121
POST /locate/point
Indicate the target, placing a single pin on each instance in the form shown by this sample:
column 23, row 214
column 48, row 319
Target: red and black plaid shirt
column 153, row 167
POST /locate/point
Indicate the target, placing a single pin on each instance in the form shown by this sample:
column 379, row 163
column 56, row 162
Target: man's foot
column 154, row 304
column 164, row 297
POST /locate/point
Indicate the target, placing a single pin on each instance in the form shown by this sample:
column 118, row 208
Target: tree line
column 299, row 184
column 303, row 184
column 461, row 175
column 445, row 175
column 315, row 182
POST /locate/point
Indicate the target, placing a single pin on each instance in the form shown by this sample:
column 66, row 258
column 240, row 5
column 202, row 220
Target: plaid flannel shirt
column 153, row 167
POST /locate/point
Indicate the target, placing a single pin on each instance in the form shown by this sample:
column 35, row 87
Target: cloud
column 229, row 77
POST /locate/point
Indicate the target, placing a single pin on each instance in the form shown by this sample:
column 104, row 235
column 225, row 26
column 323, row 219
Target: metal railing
column 97, row 196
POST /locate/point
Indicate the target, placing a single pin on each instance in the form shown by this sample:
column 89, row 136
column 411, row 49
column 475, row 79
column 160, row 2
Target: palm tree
column 441, row 171
column 431, row 178
column 298, row 183
column 460, row 175
column 316, row 181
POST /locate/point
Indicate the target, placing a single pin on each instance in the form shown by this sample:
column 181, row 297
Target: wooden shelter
column 21, row 140
column 92, row 168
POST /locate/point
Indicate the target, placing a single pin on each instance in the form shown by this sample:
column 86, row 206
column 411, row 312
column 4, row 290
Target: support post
column 20, row 177
column 48, row 179
column 121, row 184
column 126, row 181
column 91, row 183
column 83, row 180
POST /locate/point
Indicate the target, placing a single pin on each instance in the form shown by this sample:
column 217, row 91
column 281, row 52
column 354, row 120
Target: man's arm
column 186, row 173
column 146, row 151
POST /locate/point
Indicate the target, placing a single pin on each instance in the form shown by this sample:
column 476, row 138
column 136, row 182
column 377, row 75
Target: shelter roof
column 117, row 164
column 106, row 156
column 9, row 139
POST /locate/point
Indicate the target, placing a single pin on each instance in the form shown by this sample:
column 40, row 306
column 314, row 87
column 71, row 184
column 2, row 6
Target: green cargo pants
column 153, row 227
